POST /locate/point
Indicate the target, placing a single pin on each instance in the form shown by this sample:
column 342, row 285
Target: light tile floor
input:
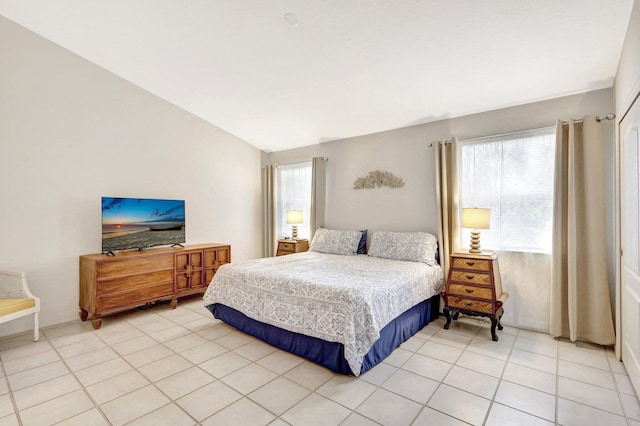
column 158, row 366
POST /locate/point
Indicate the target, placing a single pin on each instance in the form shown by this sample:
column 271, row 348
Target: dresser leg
column 96, row 323
column 447, row 314
column 494, row 322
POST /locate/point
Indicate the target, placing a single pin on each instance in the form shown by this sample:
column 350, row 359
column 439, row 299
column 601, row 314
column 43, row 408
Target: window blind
column 513, row 176
column 293, row 192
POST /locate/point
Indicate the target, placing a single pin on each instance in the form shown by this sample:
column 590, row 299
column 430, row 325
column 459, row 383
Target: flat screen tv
column 138, row 223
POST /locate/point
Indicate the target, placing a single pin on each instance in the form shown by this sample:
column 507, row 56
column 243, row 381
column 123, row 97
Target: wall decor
column 376, row 179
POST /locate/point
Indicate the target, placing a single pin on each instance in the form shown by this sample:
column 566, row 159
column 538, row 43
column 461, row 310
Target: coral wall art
column 377, row 179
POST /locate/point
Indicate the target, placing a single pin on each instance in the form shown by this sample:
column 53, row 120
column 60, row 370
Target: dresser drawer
column 126, row 265
column 471, row 277
column 124, row 283
column 470, row 291
column 470, row 305
column 471, row 264
column 134, row 297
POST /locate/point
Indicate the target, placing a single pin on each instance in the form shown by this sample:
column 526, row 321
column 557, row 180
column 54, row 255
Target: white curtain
column 445, row 166
column 318, row 194
column 580, row 305
column 268, row 211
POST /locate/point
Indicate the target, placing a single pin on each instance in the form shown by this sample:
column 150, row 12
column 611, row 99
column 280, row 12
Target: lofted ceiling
column 287, row 73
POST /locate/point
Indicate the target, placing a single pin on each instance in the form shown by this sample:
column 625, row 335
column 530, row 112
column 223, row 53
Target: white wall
column 404, row 152
column 627, row 83
column 71, row 132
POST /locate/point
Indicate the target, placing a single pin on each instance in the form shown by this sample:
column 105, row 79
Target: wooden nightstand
column 292, row 246
column 474, row 288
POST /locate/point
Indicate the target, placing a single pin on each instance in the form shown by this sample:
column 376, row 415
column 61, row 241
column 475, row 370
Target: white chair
column 16, row 301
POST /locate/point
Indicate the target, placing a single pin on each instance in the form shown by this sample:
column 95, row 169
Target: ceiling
column 287, row 73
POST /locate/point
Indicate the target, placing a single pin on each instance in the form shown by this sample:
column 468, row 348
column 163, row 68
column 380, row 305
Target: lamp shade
column 475, row 218
column 294, row 217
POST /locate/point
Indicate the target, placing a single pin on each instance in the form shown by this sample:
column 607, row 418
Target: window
column 513, row 176
column 293, row 192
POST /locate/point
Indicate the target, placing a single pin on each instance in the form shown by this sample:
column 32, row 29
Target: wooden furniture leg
column 447, row 314
column 96, row 323
column 494, row 322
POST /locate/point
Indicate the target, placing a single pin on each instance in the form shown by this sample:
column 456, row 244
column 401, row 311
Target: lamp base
column 294, row 232
column 475, row 242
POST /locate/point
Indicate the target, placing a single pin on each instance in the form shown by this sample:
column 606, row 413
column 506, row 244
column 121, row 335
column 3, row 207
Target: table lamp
column 294, row 217
column 475, row 219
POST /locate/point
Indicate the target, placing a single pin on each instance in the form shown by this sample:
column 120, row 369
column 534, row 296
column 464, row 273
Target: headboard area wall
column 404, row 153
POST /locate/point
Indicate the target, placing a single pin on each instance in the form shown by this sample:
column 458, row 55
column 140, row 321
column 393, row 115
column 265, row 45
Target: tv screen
column 136, row 223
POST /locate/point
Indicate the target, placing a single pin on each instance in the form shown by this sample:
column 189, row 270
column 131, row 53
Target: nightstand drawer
column 472, row 264
column 471, row 277
column 287, row 246
column 470, row 291
column 470, row 304
column 291, row 246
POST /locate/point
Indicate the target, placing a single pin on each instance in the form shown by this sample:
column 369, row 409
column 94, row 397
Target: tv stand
column 177, row 245
column 128, row 280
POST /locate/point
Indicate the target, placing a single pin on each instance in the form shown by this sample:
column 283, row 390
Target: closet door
column 630, row 242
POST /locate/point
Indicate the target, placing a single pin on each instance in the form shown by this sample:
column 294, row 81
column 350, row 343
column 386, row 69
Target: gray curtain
column 445, row 166
column 268, row 210
column 318, row 194
column 580, row 305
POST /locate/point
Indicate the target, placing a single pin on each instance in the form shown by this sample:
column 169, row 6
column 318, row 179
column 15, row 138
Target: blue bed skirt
column 331, row 354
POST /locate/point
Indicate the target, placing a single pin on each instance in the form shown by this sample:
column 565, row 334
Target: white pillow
column 411, row 246
column 335, row 242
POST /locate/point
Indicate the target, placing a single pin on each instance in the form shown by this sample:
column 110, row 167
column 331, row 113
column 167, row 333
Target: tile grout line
column 500, row 379
column 467, row 348
column 10, row 392
column 171, row 400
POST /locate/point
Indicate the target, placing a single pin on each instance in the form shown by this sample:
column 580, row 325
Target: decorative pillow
column 335, row 242
column 362, row 245
column 411, row 246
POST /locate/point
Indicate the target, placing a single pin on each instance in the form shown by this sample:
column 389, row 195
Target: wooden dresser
column 112, row 283
column 292, row 246
column 474, row 287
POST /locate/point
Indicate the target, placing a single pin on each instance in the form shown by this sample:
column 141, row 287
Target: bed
column 343, row 310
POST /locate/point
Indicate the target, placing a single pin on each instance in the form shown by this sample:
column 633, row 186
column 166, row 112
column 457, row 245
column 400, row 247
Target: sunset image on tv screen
column 141, row 222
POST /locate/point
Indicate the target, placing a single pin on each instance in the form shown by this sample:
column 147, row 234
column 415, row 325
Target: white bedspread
column 345, row 299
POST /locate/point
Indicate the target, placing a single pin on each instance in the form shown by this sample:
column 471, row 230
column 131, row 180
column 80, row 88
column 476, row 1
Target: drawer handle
column 468, row 290
column 469, row 277
column 469, row 304
column 471, row 263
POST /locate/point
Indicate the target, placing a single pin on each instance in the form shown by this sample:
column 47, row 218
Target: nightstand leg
column 447, row 314
column 494, row 322
column 500, row 318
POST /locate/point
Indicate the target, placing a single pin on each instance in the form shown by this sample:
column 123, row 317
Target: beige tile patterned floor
column 158, row 366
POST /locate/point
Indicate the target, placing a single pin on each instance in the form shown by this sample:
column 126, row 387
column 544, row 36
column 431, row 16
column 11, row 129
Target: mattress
column 334, row 298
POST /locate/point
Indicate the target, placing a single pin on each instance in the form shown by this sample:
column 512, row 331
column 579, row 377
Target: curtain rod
column 295, row 162
column 609, row 116
column 443, row 141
